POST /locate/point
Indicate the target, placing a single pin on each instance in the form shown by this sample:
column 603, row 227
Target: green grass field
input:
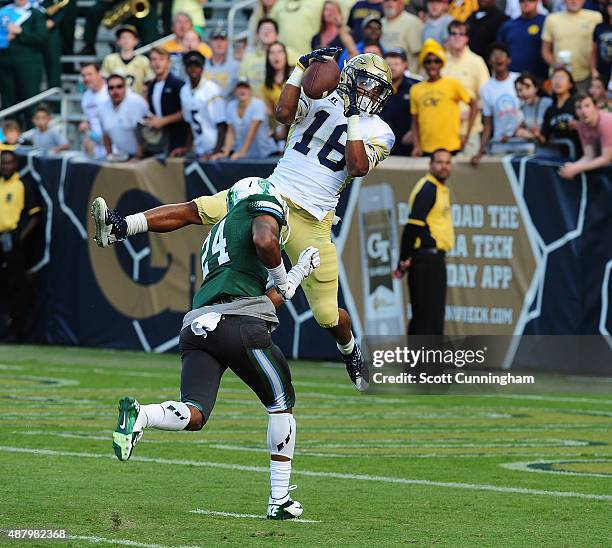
column 372, row 470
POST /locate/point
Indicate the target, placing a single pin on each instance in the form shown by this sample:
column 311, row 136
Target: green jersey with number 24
column 230, row 265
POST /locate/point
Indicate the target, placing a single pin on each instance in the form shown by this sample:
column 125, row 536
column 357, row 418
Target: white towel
column 204, row 323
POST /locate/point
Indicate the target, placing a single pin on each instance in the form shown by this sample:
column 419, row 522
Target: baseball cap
column 367, row 20
column 219, row 32
column 397, row 52
column 193, row 58
column 127, row 28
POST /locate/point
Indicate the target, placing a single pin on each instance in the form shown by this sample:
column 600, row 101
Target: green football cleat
column 124, row 437
column 284, row 508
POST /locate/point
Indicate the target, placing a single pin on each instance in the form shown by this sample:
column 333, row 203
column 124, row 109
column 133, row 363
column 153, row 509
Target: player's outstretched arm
column 112, row 227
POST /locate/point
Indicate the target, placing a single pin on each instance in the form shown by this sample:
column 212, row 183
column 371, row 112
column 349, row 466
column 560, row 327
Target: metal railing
column 231, row 21
column 37, row 99
column 571, row 147
column 146, row 49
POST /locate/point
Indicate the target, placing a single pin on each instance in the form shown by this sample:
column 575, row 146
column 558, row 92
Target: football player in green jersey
column 229, row 325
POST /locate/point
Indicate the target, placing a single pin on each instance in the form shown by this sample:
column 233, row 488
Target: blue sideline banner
column 532, row 255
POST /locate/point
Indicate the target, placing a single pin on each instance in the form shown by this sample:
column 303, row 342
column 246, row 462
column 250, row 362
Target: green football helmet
column 250, row 186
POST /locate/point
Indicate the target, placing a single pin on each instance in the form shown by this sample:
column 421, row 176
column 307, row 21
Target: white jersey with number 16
column 312, row 171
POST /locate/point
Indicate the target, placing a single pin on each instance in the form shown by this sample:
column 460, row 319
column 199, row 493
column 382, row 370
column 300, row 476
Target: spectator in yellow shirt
column 434, row 105
column 571, row 32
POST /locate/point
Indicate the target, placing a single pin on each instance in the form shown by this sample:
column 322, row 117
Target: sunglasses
column 118, row 86
column 433, row 61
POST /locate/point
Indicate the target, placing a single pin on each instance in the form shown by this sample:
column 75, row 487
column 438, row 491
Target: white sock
column 280, row 473
column 169, row 415
column 136, row 224
column 348, row 347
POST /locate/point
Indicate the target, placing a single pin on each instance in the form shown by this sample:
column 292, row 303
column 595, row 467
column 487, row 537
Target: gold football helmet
column 370, row 75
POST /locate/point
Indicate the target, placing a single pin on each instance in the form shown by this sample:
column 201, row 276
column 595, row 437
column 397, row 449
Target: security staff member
column 427, row 237
column 20, row 214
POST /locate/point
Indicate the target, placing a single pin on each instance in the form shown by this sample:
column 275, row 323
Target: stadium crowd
column 496, row 80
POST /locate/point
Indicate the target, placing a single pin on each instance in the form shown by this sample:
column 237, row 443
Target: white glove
column 308, row 260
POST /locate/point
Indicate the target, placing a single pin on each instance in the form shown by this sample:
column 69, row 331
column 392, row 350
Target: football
column 320, row 79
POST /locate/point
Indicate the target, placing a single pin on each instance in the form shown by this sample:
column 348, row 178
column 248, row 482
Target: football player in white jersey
column 331, row 140
column 203, row 108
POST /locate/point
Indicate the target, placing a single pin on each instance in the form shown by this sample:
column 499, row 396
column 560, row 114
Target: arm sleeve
column 414, row 108
column 487, row 109
column 409, row 237
column 34, row 31
column 463, row 93
column 212, row 209
column 259, row 110
column 302, row 109
column 33, row 204
column 217, row 107
column 59, row 139
column 379, row 146
column 423, row 202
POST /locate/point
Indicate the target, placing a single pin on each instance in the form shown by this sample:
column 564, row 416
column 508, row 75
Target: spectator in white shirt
column 247, row 135
column 501, row 108
column 93, row 98
column 119, row 117
column 203, row 108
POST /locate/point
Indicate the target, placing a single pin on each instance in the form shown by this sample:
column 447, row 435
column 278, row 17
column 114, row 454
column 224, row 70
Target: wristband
column 136, row 224
column 295, row 78
column 295, row 276
column 353, row 130
column 278, row 274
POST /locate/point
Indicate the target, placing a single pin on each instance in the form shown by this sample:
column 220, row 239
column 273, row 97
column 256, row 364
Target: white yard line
column 121, row 542
column 250, row 516
column 318, row 474
column 321, row 453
